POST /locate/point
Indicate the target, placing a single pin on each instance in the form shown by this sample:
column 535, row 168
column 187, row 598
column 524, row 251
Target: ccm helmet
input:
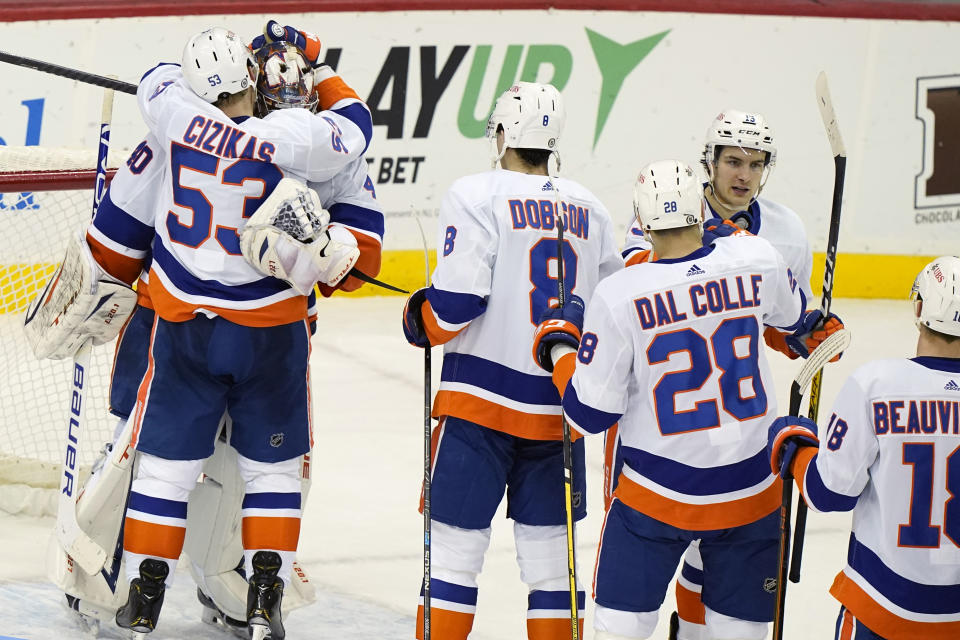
column 938, row 288
column 532, row 117
column 217, row 64
column 735, row 128
column 667, row 195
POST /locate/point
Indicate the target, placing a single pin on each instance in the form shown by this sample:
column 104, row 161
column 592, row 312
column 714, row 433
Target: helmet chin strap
column 495, row 155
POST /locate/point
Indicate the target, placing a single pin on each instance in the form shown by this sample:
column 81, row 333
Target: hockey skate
column 214, row 616
column 142, row 609
column 263, row 598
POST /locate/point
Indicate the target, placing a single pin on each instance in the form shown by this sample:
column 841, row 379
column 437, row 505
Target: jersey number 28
column 735, row 369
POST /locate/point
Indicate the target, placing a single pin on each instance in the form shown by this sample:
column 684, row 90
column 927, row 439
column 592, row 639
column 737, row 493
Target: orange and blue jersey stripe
column 178, row 294
column 696, row 498
column 452, row 608
column 495, row 396
column 154, row 526
column 891, row 605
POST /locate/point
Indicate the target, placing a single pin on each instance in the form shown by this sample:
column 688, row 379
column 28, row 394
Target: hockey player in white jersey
column 213, row 539
column 500, row 427
column 671, row 350
column 891, row 454
column 236, row 252
column 739, row 155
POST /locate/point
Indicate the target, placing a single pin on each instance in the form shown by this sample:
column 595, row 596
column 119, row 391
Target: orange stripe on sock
column 690, row 606
column 151, row 539
column 448, row 625
column 551, row 628
column 278, row 534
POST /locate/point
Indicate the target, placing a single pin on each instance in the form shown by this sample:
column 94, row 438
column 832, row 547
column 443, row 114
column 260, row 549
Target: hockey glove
column 413, row 329
column 813, row 330
column 558, row 325
column 785, row 437
column 718, row 228
column 308, row 43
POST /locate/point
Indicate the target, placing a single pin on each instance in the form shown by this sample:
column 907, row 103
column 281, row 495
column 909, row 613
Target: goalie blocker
column 80, row 301
column 289, row 237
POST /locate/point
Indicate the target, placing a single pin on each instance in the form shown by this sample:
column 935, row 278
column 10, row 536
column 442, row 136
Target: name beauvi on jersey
column 498, row 233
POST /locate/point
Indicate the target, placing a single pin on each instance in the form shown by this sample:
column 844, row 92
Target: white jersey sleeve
column 466, row 245
column 780, row 288
column 122, row 231
column 604, row 369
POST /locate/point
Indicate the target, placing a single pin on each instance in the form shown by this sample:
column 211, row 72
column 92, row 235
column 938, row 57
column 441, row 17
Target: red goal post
column 46, row 195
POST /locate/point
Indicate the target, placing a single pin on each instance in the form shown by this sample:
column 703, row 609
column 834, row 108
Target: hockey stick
column 840, row 165
column 66, row 72
column 567, row 459
column 78, row 545
column 813, row 366
column 427, row 455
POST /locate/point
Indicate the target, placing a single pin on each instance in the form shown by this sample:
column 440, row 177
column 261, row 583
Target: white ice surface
column 362, row 536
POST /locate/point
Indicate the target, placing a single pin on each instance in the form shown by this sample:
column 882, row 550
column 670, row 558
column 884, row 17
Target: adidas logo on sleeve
column 695, row 271
column 951, row 386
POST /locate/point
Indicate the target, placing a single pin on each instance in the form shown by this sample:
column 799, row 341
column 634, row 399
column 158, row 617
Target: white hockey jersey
column 891, row 453
column 220, row 170
column 671, row 350
column 777, row 224
column 496, row 273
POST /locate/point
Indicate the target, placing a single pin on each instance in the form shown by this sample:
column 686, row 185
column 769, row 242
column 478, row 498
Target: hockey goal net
column 45, row 196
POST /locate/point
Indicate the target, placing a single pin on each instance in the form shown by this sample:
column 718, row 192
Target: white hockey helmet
column 938, row 287
column 735, row 128
column 532, row 116
column 216, row 63
column 667, row 195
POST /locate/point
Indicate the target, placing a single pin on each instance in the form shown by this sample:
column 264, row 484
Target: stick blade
column 829, row 116
column 835, row 344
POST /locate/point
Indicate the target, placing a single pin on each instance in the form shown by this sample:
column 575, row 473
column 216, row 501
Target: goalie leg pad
column 80, row 301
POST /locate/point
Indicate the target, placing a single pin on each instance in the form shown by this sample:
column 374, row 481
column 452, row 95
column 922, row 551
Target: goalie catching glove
column 80, row 301
column 289, row 237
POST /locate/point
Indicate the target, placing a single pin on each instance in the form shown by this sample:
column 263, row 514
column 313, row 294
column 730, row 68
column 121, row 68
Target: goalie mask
column 735, row 128
column 286, row 80
column 217, row 64
column 937, row 287
column 667, row 195
column 532, row 117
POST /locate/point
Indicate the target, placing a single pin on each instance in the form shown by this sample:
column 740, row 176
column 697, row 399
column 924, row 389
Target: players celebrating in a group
column 500, row 422
column 891, row 453
column 671, row 349
column 235, row 250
